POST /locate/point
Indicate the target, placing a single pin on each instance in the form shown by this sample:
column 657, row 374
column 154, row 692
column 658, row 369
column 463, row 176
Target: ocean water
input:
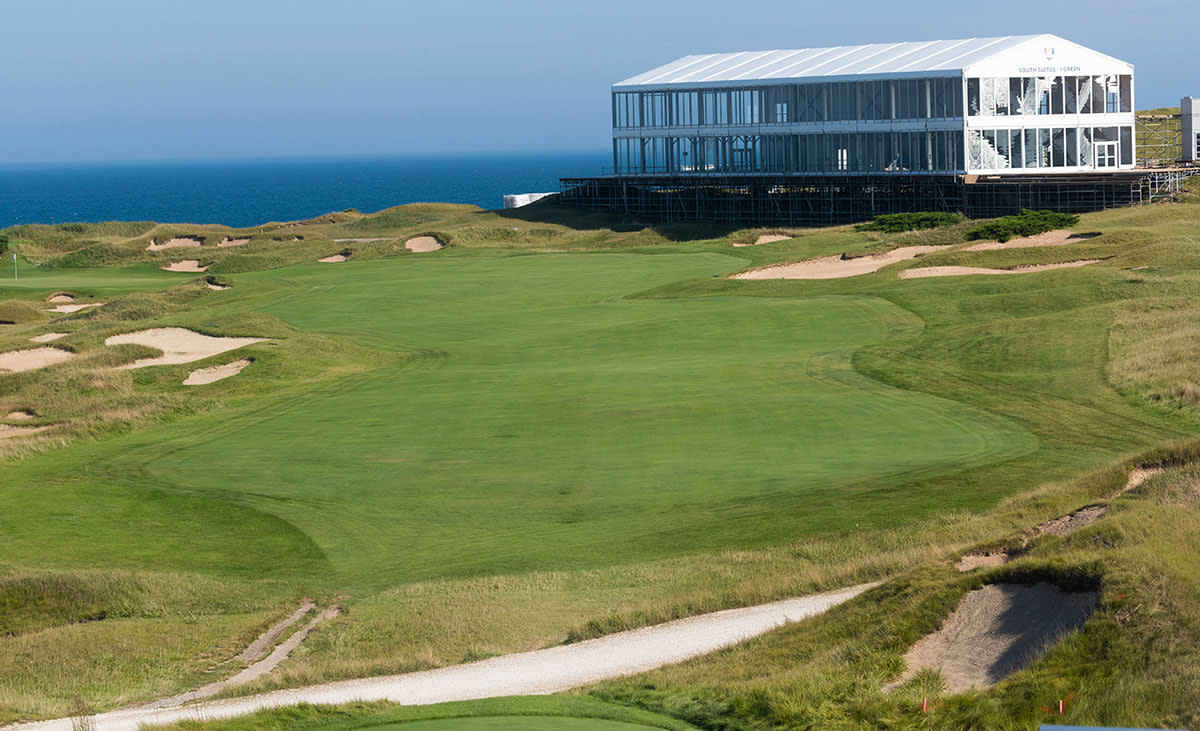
column 249, row 192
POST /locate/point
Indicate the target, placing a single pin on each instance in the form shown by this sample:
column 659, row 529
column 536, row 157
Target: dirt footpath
column 528, row 673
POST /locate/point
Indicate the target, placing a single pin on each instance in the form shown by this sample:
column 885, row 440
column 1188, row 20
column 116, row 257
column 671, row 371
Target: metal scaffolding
column 764, row 200
column 1159, row 140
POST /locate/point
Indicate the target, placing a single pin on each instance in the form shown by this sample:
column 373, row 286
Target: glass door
column 1106, row 154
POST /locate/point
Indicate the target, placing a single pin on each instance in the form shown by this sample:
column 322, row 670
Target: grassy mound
column 1027, row 223
column 900, row 222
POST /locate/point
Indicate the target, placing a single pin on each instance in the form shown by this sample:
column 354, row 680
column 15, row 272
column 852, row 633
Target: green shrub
column 899, row 222
column 1028, row 223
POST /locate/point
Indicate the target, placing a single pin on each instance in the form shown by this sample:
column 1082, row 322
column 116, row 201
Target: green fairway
column 513, row 723
column 86, row 281
column 545, row 422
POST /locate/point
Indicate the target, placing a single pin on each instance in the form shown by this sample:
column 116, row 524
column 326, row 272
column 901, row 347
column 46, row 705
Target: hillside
column 478, row 433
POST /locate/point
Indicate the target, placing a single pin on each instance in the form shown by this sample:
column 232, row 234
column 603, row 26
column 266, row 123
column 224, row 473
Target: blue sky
column 133, row 79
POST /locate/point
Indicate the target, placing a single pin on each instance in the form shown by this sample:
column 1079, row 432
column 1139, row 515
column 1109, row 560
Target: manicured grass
column 575, row 713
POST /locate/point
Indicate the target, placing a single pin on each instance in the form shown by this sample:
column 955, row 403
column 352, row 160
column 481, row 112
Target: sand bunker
column 187, row 265
column 1060, row 237
column 61, row 297
column 768, row 239
column 20, row 415
column 15, row 361
column 12, row 432
column 215, row 373
column 996, row 631
column 179, row 242
column 982, row 559
column 364, row 241
column 1068, row 524
column 334, row 259
column 233, row 242
column 836, row 267
column 217, row 285
column 178, row 345
column 74, row 308
column 923, row 272
column 1138, row 475
column 422, row 244
column 48, row 337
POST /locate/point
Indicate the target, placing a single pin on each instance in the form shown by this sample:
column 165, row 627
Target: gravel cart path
column 528, row 673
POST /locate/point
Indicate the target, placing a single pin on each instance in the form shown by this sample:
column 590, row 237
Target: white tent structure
column 981, row 106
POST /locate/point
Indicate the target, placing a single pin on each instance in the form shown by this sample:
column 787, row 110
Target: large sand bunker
column 334, row 259
column 178, row 345
column 1061, row 237
column 768, row 239
column 233, row 242
column 187, row 265
column 421, row 244
column 179, row 242
column 74, row 308
column 923, row 272
column 837, row 267
column 996, row 631
column 15, row 361
column 12, row 432
column 47, row 337
column 213, row 374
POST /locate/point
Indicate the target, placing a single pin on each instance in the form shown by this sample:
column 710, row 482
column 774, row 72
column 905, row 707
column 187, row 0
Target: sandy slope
column 178, row 345
column 835, row 267
column 527, row 673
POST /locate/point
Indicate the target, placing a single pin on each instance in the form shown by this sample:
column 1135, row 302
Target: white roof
column 873, row 59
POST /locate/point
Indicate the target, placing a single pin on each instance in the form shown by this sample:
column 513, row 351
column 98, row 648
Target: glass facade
column 1049, row 147
column 888, row 99
column 856, row 152
column 925, row 124
column 1048, row 95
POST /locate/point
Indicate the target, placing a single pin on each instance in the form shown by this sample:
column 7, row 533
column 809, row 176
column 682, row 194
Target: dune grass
column 496, row 447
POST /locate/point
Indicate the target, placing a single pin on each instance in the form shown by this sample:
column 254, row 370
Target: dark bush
column 1028, row 223
column 898, row 222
